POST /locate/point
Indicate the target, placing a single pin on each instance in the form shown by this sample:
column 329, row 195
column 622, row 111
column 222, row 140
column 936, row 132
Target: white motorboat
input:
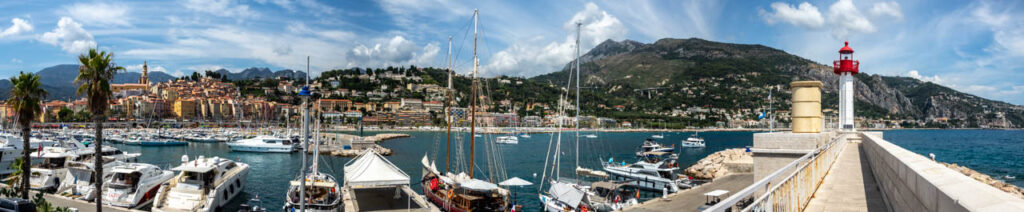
column 133, row 185
column 46, row 175
column 263, row 143
column 80, row 172
column 11, row 150
column 590, row 136
column 651, row 147
column 693, row 142
column 204, row 184
column 659, row 136
column 651, row 174
column 507, row 140
column 524, row 135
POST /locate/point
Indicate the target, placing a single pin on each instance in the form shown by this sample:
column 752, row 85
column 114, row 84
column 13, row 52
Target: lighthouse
column 846, row 67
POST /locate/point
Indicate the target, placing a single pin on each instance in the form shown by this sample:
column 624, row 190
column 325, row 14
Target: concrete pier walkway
column 849, row 186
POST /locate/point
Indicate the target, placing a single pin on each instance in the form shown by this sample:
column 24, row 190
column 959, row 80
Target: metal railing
column 793, row 192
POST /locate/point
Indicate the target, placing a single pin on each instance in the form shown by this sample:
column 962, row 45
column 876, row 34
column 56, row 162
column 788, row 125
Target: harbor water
column 992, row 152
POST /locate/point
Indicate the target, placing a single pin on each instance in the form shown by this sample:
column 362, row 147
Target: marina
column 617, row 116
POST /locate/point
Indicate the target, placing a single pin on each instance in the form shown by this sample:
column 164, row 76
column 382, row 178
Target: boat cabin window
column 230, row 166
column 81, row 175
column 126, row 180
column 666, row 174
column 53, row 163
column 203, row 179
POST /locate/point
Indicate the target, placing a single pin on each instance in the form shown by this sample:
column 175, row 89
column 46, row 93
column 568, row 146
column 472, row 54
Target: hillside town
column 411, row 97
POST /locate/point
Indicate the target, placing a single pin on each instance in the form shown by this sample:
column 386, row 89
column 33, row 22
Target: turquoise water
column 992, row 152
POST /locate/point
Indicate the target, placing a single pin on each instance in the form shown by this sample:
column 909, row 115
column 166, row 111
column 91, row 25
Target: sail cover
column 371, row 169
column 478, row 185
column 566, row 193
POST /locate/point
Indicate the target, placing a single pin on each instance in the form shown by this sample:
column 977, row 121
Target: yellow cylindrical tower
column 806, row 106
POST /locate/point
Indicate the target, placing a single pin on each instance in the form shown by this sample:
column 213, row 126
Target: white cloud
column 917, row 75
column 847, row 19
column 152, row 68
column 804, row 15
column 396, row 51
column 18, row 26
column 891, row 9
column 225, row 8
column 101, row 14
column 70, row 36
column 524, row 59
column 15, row 60
column 307, row 5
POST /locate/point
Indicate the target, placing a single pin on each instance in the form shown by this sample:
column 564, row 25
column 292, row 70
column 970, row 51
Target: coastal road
column 691, row 199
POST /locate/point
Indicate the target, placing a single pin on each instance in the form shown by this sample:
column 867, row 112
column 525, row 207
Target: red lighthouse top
column 846, row 62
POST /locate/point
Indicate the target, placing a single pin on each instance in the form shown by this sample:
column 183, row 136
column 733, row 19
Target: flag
column 761, row 116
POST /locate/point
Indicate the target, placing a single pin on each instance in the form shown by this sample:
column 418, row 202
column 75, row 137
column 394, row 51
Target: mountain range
column 725, row 75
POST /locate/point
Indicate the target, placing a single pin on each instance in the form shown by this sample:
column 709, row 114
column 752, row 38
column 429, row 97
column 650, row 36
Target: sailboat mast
column 472, row 106
column 305, row 139
column 447, row 111
column 578, row 72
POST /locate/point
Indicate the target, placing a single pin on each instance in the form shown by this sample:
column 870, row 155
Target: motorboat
column 651, row 147
column 658, row 136
column 650, row 173
column 507, row 139
column 133, row 185
column 79, row 181
column 12, row 149
column 693, row 141
column 203, row 184
column 263, row 143
column 590, row 136
column 46, row 175
column 524, row 135
column 162, row 142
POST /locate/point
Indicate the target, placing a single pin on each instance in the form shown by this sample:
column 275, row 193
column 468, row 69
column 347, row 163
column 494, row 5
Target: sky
column 972, row 46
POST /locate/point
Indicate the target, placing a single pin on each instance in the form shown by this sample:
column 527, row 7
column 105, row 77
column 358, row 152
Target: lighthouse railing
column 794, row 191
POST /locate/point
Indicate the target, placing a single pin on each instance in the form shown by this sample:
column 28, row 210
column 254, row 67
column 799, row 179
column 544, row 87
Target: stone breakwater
column 721, row 163
column 984, row 178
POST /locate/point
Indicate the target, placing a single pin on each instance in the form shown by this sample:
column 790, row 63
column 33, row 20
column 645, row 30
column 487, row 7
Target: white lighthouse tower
column 846, row 67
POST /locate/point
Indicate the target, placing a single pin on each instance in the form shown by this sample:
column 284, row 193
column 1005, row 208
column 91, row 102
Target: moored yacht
column 511, row 139
column 651, row 174
column 204, row 184
column 263, row 143
column 79, row 181
column 133, row 185
column 693, row 141
column 651, row 147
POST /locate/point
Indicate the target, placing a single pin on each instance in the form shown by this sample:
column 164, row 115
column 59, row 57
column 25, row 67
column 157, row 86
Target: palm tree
column 93, row 80
column 26, row 99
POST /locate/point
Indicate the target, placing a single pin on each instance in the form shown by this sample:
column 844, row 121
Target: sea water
column 994, row 152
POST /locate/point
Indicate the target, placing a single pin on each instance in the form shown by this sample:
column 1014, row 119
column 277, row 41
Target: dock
column 347, row 145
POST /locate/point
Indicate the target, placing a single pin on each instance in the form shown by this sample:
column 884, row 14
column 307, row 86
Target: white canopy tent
column 371, row 169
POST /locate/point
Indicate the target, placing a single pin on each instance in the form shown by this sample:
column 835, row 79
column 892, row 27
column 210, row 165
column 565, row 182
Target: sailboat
column 461, row 192
column 324, row 190
column 567, row 195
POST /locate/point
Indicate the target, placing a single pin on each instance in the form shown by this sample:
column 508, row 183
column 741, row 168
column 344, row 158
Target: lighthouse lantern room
column 846, row 67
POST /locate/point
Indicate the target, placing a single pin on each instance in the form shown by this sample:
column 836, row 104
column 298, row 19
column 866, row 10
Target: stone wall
column 912, row 182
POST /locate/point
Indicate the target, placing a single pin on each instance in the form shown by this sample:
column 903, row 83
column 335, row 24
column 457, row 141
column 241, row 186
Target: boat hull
column 243, row 148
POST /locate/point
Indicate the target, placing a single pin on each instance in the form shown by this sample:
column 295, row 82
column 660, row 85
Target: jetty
column 347, row 145
column 811, row 168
